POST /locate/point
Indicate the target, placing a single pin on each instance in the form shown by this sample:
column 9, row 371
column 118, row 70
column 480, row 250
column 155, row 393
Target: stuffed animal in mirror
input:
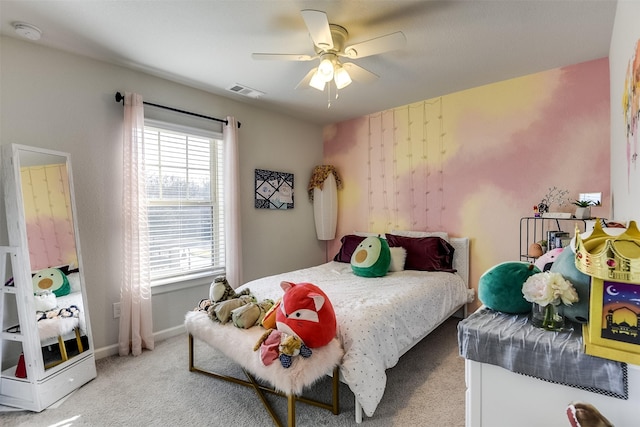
column 45, row 301
column 53, row 280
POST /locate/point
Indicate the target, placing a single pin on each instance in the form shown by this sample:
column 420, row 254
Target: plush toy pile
column 225, row 305
column 301, row 320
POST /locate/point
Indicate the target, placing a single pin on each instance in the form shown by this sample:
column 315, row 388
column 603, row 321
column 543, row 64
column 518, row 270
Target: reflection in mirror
column 48, row 211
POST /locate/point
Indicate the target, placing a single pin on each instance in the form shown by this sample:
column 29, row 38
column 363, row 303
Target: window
column 184, row 179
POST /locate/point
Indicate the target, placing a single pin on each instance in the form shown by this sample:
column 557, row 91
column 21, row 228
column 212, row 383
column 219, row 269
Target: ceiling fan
column 329, row 42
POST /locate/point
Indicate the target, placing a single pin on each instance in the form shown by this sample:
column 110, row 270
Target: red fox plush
column 306, row 312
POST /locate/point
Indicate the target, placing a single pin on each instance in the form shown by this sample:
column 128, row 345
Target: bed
column 380, row 319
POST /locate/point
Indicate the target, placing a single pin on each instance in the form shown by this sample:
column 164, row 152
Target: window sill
column 178, row 283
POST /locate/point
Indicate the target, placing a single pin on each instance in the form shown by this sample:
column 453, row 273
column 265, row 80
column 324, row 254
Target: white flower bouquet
column 548, row 290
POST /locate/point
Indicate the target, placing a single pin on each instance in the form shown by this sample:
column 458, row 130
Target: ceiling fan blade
column 375, row 46
column 318, row 26
column 304, row 83
column 283, row 56
column 358, row 73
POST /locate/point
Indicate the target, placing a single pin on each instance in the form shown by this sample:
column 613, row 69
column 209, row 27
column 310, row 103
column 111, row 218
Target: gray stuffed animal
column 221, row 290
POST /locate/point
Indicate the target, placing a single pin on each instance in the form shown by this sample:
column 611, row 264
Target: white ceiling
column 451, row 45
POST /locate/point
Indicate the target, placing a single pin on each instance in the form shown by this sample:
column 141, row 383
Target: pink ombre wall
column 473, row 162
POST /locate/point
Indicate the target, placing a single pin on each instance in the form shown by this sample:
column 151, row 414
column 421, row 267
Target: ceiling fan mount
column 330, row 45
column 339, row 36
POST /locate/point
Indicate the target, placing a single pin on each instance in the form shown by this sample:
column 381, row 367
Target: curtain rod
column 120, row 98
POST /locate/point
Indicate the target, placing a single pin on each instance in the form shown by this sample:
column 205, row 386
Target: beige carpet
column 426, row 388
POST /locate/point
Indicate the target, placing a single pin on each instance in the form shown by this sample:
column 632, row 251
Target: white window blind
column 184, row 179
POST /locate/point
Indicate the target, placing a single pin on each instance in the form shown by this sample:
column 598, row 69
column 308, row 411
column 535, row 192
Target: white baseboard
column 112, row 350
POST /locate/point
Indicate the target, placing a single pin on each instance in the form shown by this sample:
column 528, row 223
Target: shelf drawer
column 36, row 396
column 67, row 380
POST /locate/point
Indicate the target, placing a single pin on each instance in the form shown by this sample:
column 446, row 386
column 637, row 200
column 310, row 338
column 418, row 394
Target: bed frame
column 460, row 263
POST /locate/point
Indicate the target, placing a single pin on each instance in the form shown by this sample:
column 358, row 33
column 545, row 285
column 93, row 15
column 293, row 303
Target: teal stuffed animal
column 371, row 257
column 565, row 264
column 500, row 287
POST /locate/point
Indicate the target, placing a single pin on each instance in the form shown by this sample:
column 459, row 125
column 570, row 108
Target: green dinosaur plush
column 52, row 280
column 500, row 287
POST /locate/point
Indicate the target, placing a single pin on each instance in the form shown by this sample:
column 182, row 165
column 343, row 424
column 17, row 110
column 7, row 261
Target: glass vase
column 548, row 317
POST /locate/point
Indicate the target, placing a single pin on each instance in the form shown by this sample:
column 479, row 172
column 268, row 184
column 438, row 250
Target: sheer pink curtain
column 233, row 237
column 136, row 329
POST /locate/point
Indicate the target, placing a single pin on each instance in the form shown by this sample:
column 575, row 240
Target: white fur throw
column 237, row 344
column 398, row 257
column 51, row 328
column 45, row 301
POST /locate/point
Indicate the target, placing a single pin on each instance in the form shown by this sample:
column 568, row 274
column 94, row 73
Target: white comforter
column 378, row 318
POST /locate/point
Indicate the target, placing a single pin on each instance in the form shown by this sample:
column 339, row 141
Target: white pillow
column 398, row 256
column 74, row 282
column 408, row 233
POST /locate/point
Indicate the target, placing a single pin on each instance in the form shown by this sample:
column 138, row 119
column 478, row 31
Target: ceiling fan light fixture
column 341, row 77
column 325, row 69
column 317, row 81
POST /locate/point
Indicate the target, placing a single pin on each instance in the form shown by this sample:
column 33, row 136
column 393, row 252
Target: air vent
column 245, row 91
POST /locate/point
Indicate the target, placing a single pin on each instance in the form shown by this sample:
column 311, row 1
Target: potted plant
column 583, row 210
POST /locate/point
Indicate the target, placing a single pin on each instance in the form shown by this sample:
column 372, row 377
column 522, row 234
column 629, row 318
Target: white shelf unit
column 43, row 385
column 41, row 388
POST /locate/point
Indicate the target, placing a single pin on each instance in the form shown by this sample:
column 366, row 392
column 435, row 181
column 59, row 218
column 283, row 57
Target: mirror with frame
column 44, row 209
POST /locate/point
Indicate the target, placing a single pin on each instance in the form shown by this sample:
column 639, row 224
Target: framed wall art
column 613, row 262
column 274, row 190
column 613, row 331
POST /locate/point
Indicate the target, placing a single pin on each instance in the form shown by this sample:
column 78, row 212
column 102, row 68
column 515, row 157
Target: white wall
column 625, row 183
column 56, row 100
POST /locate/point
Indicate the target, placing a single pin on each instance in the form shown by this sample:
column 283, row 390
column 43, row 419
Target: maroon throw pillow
column 425, row 253
column 349, row 244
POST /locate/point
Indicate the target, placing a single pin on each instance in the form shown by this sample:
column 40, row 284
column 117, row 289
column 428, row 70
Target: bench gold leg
column 63, row 349
column 291, row 399
column 291, row 411
column 79, row 341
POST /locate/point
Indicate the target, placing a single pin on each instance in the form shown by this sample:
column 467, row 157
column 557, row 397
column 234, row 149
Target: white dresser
column 497, row 397
column 498, row 346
